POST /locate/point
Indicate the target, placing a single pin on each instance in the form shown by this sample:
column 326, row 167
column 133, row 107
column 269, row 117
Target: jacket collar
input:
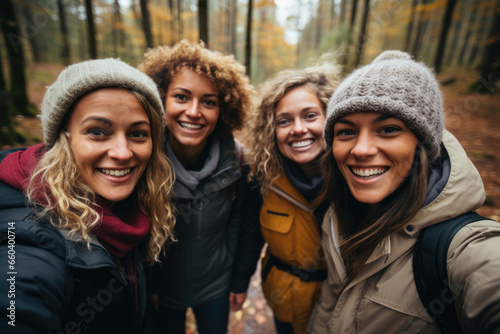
column 463, row 191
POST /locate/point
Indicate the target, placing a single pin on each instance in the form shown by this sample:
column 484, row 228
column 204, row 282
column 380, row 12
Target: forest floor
column 473, row 118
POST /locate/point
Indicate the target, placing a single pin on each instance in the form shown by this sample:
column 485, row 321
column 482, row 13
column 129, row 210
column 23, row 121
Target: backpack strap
column 429, row 270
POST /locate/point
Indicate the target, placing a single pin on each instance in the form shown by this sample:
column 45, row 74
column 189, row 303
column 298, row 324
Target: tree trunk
column 479, row 35
column 233, row 13
column 491, row 55
column 342, row 12
column 444, row 34
column 468, row 29
column 422, row 22
column 173, row 32
column 82, row 40
column 248, row 42
column 65, row 53
column 203, row 20
column 457, row 28
column 362, row 32
column 91, row 29
column 31, row 34
column 146, row 23
column 5, row 112
column 409, row 29
column 353, row 14
column 180, row 25
column 319, row 24
column 15, row 53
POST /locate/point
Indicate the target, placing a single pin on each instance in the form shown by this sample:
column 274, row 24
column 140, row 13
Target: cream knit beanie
column 79, row 79
column 396, row 85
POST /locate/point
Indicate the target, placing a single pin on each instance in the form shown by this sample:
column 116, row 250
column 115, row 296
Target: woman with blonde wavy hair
column 98, row 194
column 206, row 95
column 285, row 145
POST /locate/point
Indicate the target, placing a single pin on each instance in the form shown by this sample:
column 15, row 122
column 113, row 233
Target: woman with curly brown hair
column 285, row 145
column 206, row 95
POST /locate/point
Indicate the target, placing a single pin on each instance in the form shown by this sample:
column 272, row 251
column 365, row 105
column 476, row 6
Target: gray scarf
column 186, row 181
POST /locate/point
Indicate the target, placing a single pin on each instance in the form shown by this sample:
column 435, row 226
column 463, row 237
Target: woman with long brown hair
column 392, row 171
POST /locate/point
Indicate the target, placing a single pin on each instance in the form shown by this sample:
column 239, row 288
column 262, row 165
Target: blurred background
column 460, row 39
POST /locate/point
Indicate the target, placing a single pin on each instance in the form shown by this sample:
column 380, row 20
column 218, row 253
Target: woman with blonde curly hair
column 206, row 96
column 285, row 145
column 98, row 193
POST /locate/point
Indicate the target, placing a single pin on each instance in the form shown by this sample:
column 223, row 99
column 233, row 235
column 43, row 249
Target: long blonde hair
column 263, row 156
column 55, row 185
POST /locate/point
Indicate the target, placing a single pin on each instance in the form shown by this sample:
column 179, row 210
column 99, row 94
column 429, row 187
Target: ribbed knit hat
column 396, row 85
column 79, row 79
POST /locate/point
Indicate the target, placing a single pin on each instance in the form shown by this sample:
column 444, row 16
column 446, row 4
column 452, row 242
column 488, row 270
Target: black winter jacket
column 197, row 268
column 56, row 285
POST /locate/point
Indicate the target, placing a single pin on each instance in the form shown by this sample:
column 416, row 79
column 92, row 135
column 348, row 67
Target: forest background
column 460, row 39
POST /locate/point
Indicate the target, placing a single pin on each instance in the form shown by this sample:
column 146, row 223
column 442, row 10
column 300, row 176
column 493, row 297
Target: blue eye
column 311, row 115
column 96, row 132
column 283, row 122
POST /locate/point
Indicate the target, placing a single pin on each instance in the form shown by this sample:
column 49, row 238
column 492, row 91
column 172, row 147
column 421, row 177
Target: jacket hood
column 463, row 190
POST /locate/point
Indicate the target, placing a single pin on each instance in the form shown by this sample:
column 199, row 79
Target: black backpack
column 429, row 270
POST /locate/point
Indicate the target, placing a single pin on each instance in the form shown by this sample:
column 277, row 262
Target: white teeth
column 191, row 126
column 369, row 172
column 302, row 143
column 116, row 172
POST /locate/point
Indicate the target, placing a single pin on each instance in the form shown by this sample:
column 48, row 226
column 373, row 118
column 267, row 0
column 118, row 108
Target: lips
column 115, row 172
column 368, row 172
column 302, row 143
column 190, row 126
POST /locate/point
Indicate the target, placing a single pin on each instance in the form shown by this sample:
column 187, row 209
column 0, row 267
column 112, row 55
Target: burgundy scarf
column 118, row 236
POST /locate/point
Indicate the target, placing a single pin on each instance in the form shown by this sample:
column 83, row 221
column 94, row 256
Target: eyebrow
column 139, row 123
column 109, row 123
column 306, row 109
column 189, row 92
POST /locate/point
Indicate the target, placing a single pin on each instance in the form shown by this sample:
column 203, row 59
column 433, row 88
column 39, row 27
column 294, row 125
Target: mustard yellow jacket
column 292, row 233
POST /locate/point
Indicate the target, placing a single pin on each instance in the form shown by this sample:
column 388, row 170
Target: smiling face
column 192, row 107
column 374, row 153
column 299, row 128
column 110, row 137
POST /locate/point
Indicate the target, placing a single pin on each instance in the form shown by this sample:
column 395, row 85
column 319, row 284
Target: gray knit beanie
column 396, row 85
column 79, row 79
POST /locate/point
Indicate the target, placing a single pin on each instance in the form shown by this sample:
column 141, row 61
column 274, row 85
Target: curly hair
column 163, row 63
column 67, row 197
column 264, row 157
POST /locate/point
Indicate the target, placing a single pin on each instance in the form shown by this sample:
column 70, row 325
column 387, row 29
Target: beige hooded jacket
column 384, row 298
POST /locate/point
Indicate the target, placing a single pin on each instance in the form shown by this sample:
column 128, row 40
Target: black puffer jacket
column 198, row 267
column 57, row 285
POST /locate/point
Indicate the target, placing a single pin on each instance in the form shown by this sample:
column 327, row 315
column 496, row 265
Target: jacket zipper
column 188, row 267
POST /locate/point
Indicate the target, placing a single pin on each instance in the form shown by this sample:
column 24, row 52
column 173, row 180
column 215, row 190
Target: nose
column 120, row 149
column 364, row 147
column 193, row 109
column 299, row 127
